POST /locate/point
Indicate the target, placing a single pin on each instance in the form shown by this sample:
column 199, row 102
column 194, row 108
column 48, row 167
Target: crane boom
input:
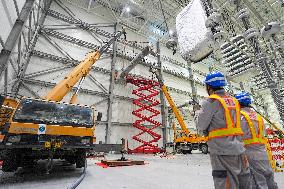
column 171, row 102
column 175, row 109
column 80, row 71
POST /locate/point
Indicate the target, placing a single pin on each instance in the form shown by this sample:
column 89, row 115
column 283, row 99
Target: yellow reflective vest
column 232, row 129
column 256, row 138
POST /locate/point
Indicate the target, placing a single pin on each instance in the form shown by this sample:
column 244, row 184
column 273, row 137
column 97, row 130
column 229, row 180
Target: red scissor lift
column 146, row 92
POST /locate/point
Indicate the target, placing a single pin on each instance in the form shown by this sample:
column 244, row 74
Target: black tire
column 1, row 154
column 189, row 150
column 178, row 149
column 204, row 148
column 71, row 159
column 80, row 158
column 10, row 161
column 28, row 162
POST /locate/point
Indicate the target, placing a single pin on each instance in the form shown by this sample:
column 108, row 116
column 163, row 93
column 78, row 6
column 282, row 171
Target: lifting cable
column 165, row 20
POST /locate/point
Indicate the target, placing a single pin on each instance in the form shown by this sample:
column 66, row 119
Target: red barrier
column 277, row 148
column 102, row 165
column 146, row 102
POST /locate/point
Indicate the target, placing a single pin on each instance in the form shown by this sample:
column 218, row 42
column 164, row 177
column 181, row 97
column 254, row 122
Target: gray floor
column 180, row 171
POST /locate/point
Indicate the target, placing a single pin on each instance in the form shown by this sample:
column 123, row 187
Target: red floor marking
column 102, row 165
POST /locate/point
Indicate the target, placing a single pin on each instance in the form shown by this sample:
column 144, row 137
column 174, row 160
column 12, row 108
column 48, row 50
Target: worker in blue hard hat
column 262, row 176
column 219, row 119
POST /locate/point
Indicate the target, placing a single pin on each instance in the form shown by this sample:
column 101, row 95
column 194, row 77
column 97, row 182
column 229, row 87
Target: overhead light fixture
column 172, row 45
column 171, row 32
column 127, row 9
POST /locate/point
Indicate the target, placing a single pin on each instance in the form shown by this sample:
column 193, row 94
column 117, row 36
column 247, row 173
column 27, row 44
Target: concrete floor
column 180, row 171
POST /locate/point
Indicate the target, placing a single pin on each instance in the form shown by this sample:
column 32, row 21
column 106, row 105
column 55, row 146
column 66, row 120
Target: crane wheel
column 80, row 158
column 10, row 161
column 204, row 148
column 70, row 159
column 1, row 154
column 189, row 148
column 178, row 148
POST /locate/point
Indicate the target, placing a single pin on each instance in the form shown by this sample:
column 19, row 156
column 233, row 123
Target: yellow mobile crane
column 184, row 141
column 7, row 106
column 47, row 129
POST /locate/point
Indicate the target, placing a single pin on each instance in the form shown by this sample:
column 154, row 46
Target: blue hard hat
column 244, row 98
column 215, row 79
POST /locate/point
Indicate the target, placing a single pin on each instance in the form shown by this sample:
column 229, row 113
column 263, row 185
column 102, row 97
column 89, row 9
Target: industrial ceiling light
column 127, row 9
column 172, row 42
column 282, row 2
column 172, row 45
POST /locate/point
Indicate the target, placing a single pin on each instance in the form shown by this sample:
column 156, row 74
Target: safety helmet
column 215, row 79
column 244, row 98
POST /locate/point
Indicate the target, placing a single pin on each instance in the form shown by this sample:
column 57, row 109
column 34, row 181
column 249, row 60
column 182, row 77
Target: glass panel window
column 36, row 111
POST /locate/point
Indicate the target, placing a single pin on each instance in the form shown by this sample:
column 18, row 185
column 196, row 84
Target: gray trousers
column 262, row 175
column 230, row 172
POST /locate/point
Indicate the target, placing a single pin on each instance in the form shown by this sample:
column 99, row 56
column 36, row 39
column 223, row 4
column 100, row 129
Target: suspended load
column 194, row 38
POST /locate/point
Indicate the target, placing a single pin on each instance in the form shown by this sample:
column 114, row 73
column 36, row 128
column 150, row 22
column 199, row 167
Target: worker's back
column 223, row 145
column 219, row 119
column 253, row 128
column 256, row 151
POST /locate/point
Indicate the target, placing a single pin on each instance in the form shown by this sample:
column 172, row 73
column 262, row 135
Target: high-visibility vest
column 256, row 138
column 232, row 128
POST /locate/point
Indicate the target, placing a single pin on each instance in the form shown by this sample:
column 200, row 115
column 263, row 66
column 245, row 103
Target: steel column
column 164, row 111
column 14, row 35
column 31, row 46
column 111, row 87
column 6, row 81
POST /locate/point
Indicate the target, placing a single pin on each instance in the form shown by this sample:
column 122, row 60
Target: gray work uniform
column 229, row 163
column 262, row 175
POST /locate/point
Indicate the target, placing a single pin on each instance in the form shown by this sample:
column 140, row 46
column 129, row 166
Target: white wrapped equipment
column 195, row 40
